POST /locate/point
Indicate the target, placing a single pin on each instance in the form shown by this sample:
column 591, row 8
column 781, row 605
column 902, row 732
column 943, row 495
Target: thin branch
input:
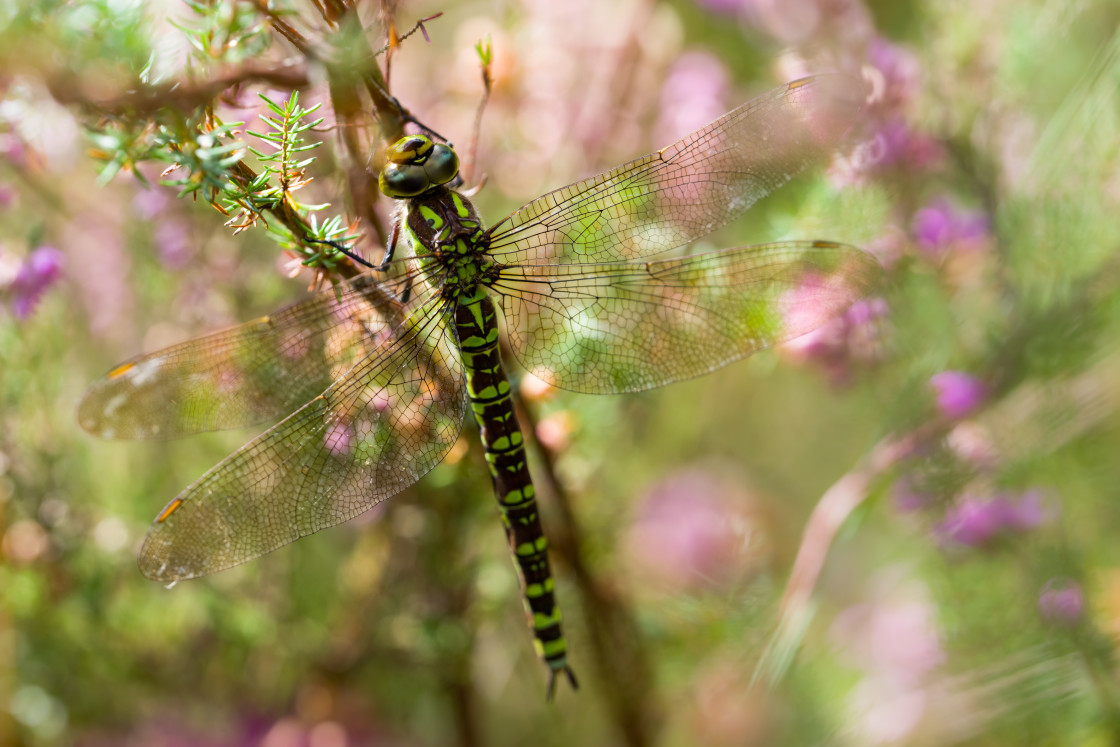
column 69, row 88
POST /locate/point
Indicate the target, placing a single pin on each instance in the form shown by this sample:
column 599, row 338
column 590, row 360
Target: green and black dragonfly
column 374, row 378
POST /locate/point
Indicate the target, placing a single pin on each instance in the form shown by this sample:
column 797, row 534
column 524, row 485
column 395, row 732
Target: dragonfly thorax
column 446, row 231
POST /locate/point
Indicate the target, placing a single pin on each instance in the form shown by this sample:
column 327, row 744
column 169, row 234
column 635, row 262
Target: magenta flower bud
column 975, row 521
column 958, row 394
column 898, row 72
column 897, row 146
column 943, row 225
column 1061, row 602
column 42, row 268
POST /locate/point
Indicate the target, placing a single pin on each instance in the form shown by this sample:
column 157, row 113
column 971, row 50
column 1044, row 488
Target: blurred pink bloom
column 694, row 93
column 149, row 204
column 173, row 242
column 41, row 270
column 554, row 431
column 943, row 225
column 7, row 196
column 896, row 640
column 683, row 534
column 1061, row 602
column 970, row 442
column 975, row 521
column 958, row 394
column 895, row 75
column 339, row 438
column 13, row 150
column 850, row 340
column 896, row 146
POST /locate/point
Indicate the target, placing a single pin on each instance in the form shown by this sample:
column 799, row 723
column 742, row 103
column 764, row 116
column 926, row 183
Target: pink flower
column 41, row 270
column 850, row 340
column 683, row 535
column 974, row 521
column 339, row 438
column 897, row 74
column 943, row 225
column 958, row 394
column 173, row 241
column 1061, row 602
column 896, row 146
column 694, row 93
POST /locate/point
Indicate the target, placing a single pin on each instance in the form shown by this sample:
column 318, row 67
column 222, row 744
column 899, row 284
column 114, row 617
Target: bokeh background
column 898, row 530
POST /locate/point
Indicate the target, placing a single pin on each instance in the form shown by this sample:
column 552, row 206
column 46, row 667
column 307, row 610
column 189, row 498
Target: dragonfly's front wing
column 253, row 373
column 630, row 326
column 371, row 434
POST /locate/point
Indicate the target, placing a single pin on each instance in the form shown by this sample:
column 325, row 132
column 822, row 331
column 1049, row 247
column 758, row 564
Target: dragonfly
column 371, row 381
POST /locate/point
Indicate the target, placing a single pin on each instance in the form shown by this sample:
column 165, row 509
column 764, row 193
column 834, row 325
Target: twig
column 69, row 88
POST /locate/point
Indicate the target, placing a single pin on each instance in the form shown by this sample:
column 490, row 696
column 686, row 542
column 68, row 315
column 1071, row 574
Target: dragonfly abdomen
column 489, row 392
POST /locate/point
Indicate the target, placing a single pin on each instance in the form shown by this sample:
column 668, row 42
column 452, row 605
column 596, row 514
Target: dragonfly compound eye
column 442, row 164
column 409, row 149
column 403, row 180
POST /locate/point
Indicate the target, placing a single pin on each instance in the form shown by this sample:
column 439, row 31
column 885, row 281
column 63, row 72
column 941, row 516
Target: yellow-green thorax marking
column 450, row 244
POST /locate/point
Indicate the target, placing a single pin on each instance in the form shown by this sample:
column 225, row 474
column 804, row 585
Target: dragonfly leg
column 407, row 292
column 340, row 248
column 390, row 248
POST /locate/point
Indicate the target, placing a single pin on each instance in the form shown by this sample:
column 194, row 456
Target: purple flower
column 958, row 394
column 896, row 146
column 975, row 521
column 894, row 73
column 844, row 342
column 42, row 268
column 1061, row 602
column 943, row 224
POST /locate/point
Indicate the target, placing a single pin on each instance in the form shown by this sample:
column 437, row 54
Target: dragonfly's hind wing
column 629, row 326
column 253, row 373
column 684, row 191
column 374, row 432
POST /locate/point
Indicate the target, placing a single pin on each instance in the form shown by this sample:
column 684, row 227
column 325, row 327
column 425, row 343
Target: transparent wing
column 256, row 372
column 629, row 326
column 374, row 432
column 683, row 192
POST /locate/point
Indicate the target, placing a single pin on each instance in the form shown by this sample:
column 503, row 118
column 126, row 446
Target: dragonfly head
column 414, row 164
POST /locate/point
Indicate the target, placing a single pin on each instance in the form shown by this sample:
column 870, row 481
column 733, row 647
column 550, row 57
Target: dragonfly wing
column 374, row 432
column 630, row 326
column 681, row 193
column 253, row 373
